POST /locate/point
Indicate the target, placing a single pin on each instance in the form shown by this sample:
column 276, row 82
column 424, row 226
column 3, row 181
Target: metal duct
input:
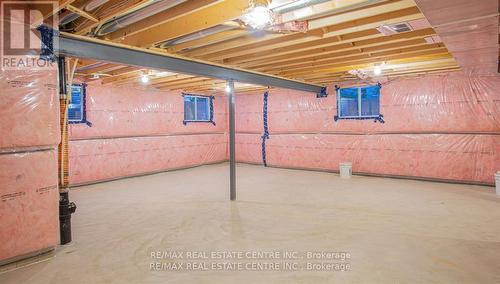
column 94, row 4
column 155, row 7
column 68, row 19
column 296, row 5
column 197, row 35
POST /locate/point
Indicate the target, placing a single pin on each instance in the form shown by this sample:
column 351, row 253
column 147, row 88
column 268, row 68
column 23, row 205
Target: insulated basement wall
column 138, row 131
column 29, row 131
column 444, row 127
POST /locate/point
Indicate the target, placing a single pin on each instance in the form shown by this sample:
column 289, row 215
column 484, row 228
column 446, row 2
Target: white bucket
column 345, row 170
column 497, row 182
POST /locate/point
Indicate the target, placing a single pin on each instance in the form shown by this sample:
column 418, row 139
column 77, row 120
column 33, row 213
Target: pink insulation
column 249, row 148
column 29, row 109
column 440, row 103
column 439, row 156
column 438, row 126
column 102, row 159
column 469, row 30
column 248, row 109
column 131, row 111
column 446, row 11
column 29, row 135
column 29, row 199
column 136, row 131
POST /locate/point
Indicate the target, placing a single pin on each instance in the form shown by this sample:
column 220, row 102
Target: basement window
column 198, row 108
column 76, row 108
column 359, row 103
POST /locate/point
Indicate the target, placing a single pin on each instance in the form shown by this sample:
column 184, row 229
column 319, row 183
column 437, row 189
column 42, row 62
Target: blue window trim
column 212, row 116
column 379, row 118
column 84, row 105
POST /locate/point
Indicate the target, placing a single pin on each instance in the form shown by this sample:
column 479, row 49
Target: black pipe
column 61, row 64
column 66, row 208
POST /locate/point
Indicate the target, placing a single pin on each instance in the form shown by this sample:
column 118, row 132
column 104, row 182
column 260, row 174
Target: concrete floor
column 396, row 231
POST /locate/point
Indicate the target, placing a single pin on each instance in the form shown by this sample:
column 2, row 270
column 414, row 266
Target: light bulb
column 228, row 88
column 144, row 79
column 377, row 70
column 258, row 17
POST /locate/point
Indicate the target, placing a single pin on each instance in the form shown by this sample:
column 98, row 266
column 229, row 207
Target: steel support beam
column 232, row 141
column 90, row 48
column 84, row 47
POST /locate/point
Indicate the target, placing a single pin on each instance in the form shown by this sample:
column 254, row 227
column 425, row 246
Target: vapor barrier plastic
column 132, row 111
column 438, row 156
column 29, row 135
column 249, row 148
column 102, row 159
column 441, row 103
column 138, row 130
column 29, row 109
column 248, row 109
column 439, row 126
column 29, row 203
column 469, row 29
column 455, row 157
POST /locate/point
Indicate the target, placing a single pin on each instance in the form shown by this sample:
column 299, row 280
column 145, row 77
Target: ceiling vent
column 395, row 28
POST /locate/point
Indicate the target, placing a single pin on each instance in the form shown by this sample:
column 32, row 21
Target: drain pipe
column 66, row 208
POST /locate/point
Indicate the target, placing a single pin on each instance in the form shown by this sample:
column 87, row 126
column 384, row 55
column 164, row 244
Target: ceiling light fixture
column 258, row 17
column 377, row 70
column 163, row 74
column 228, row 88
column 144, row 78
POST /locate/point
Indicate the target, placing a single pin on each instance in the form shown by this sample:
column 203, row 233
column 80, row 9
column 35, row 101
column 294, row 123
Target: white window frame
column 359, row 107
column 196, row 108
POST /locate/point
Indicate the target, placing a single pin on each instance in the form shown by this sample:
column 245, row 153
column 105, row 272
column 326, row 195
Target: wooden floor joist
column 341, row 36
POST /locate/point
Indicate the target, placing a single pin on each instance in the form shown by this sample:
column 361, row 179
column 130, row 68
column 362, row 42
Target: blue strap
column 265, row 135
column 322, row 93
column 212, row 120
column 47, row 39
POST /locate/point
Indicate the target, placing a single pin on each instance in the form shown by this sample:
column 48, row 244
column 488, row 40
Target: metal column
column 232, row 140
column 96, row 49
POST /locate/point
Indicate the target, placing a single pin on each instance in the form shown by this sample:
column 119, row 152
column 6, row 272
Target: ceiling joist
column 342, row 35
